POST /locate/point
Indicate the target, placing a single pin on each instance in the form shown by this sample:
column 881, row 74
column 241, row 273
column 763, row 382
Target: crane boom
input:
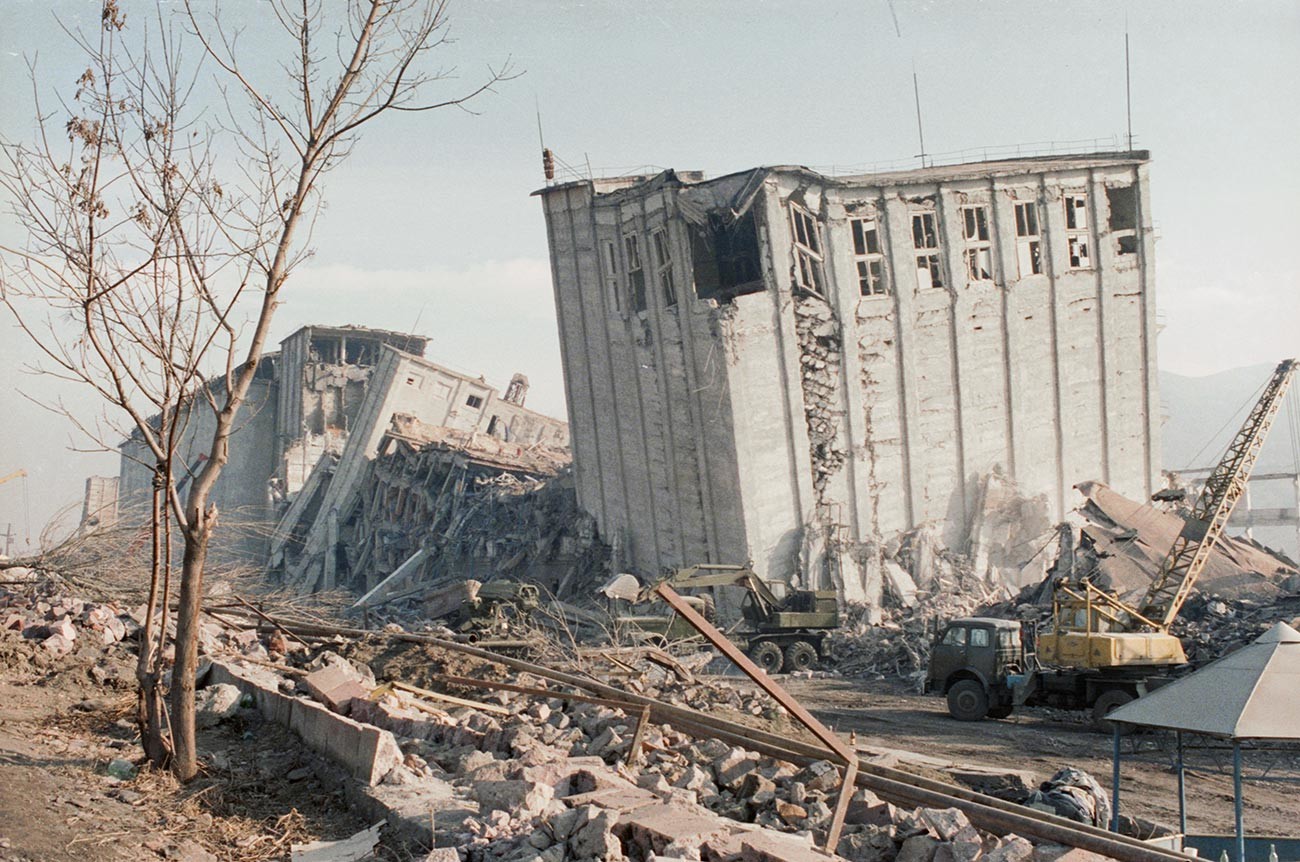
column 1186, row 558
column 17, row 474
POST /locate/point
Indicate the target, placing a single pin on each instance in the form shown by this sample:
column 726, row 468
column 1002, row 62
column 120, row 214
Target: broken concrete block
column 769, row 846
column 945, row 823
column 64, row 628
column 359, row 846
column 696, row 779
column 521, row 799
column 57, row 644
column 1012, row 848
column 442, row 854
column 335, row 685
column 918, row 848
column 820, row 775
column 733, row 767
column 958, row 851
column 593, row 836
column 215, row 703
column 653, row 828
column 790, row 812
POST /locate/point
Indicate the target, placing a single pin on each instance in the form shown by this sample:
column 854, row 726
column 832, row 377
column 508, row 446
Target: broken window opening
column 928, row 271
column 1123, row 218
column 664, row 266
column 925, row 236
column 978, row 252
column 611, row 276
column 1123, row 207
column 725, row 259
column 869, row 258
column 1029, row 243
column 324, row 349
column 807, row 250
column 635, row 274
column 492, row 426
column 361, row 353
column 474, row 401
column 1078, row 237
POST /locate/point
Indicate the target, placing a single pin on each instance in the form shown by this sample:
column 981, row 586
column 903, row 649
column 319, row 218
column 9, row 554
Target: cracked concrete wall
column 801, row 430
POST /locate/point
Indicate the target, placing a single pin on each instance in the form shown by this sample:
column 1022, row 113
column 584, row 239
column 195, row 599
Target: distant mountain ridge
column 1202, row 413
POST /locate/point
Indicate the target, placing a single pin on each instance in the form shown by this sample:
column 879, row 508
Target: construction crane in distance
column 17, row 474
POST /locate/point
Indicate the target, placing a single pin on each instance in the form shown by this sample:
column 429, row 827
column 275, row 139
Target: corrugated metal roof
column 1253, row 693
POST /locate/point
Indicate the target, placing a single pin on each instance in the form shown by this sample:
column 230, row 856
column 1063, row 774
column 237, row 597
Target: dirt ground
column 1042, row 741
column 60, row 726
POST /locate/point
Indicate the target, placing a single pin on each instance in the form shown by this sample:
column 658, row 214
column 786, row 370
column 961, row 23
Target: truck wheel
column 968, row 701
column 1109, row 700
column 800, row 655
column 767, row 655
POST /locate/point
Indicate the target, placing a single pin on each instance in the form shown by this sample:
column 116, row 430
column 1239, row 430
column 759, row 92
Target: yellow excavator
column 1099, row 651
column 784, row 632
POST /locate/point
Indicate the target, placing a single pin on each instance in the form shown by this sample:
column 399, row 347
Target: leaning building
column 791, row 368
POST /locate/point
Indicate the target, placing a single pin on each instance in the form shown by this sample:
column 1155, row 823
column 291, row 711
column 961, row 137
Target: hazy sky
column 430, row 225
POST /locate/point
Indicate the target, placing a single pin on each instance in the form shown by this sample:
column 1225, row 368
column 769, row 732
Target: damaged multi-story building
column 792, row 369
column 329, row 391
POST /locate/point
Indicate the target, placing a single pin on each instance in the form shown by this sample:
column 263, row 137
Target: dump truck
column 781, row 629
column 1100, row 652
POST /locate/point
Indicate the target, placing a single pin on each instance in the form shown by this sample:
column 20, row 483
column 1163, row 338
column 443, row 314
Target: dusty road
column 1042, row 741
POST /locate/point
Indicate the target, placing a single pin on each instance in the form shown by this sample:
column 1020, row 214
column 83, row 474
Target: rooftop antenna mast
column 548, row 159
column 920, row 130
column 1128, row 91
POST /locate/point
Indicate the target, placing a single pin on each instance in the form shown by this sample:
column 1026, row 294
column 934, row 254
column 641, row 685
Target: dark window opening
column 361, row 353
column 724, row 257
column 474, row 401
column 635, row 274
column 1128, row 244
column 664, row 266
column 1123, row 207
column 324, row 349
column 870, row 260
column 492, row 426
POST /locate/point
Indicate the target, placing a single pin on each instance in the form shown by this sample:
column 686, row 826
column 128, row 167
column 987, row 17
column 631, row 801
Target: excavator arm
column 1181, row 567
column 701, row 576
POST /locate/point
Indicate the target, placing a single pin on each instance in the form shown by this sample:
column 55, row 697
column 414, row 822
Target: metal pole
column 1236, row 800
column 1114, row 780
column 1182, row 787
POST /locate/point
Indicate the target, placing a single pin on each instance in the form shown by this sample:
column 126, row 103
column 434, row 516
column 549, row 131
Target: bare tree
column 160, row 240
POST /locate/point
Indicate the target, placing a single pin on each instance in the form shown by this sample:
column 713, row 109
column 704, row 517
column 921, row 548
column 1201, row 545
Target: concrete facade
column 789, row 368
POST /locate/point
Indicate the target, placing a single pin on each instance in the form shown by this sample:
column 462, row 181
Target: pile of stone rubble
column 536, row 776
column 44, row 614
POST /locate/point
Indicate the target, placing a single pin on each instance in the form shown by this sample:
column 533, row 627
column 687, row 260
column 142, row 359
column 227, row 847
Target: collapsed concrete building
column 328, row 391
column 307, row 549
column 790, row 368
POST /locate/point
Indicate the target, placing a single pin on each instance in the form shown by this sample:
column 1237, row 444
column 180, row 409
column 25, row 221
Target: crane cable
column 27, row 516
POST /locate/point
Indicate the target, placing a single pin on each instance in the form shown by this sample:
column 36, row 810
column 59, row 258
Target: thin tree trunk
column 185, row 759
column 149, row 704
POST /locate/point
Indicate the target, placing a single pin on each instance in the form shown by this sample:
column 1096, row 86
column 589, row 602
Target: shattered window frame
column 664, row 265
column 1078, row 233
column 869, row 257
column 978, row 251
column 635, row 272
column 1029, row 239
column 805, row 239
column 611, row 275
column 1122, row 218
column 925, row 238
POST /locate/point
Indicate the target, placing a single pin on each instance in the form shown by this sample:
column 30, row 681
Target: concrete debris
column 214, row 704
column 359, row 846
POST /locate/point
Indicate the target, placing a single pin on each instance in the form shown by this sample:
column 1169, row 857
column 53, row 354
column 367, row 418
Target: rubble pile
column 1211, row 626
column 544, row 775
column 41, row 623
column 894, row 641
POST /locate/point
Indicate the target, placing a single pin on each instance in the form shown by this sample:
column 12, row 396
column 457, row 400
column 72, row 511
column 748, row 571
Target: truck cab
column 972, row 663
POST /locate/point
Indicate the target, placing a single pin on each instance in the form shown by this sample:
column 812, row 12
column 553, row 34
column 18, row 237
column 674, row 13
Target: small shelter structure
column 1252, row 694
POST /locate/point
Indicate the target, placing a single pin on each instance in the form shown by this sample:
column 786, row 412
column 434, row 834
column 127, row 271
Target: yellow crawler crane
column 1095, row 629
